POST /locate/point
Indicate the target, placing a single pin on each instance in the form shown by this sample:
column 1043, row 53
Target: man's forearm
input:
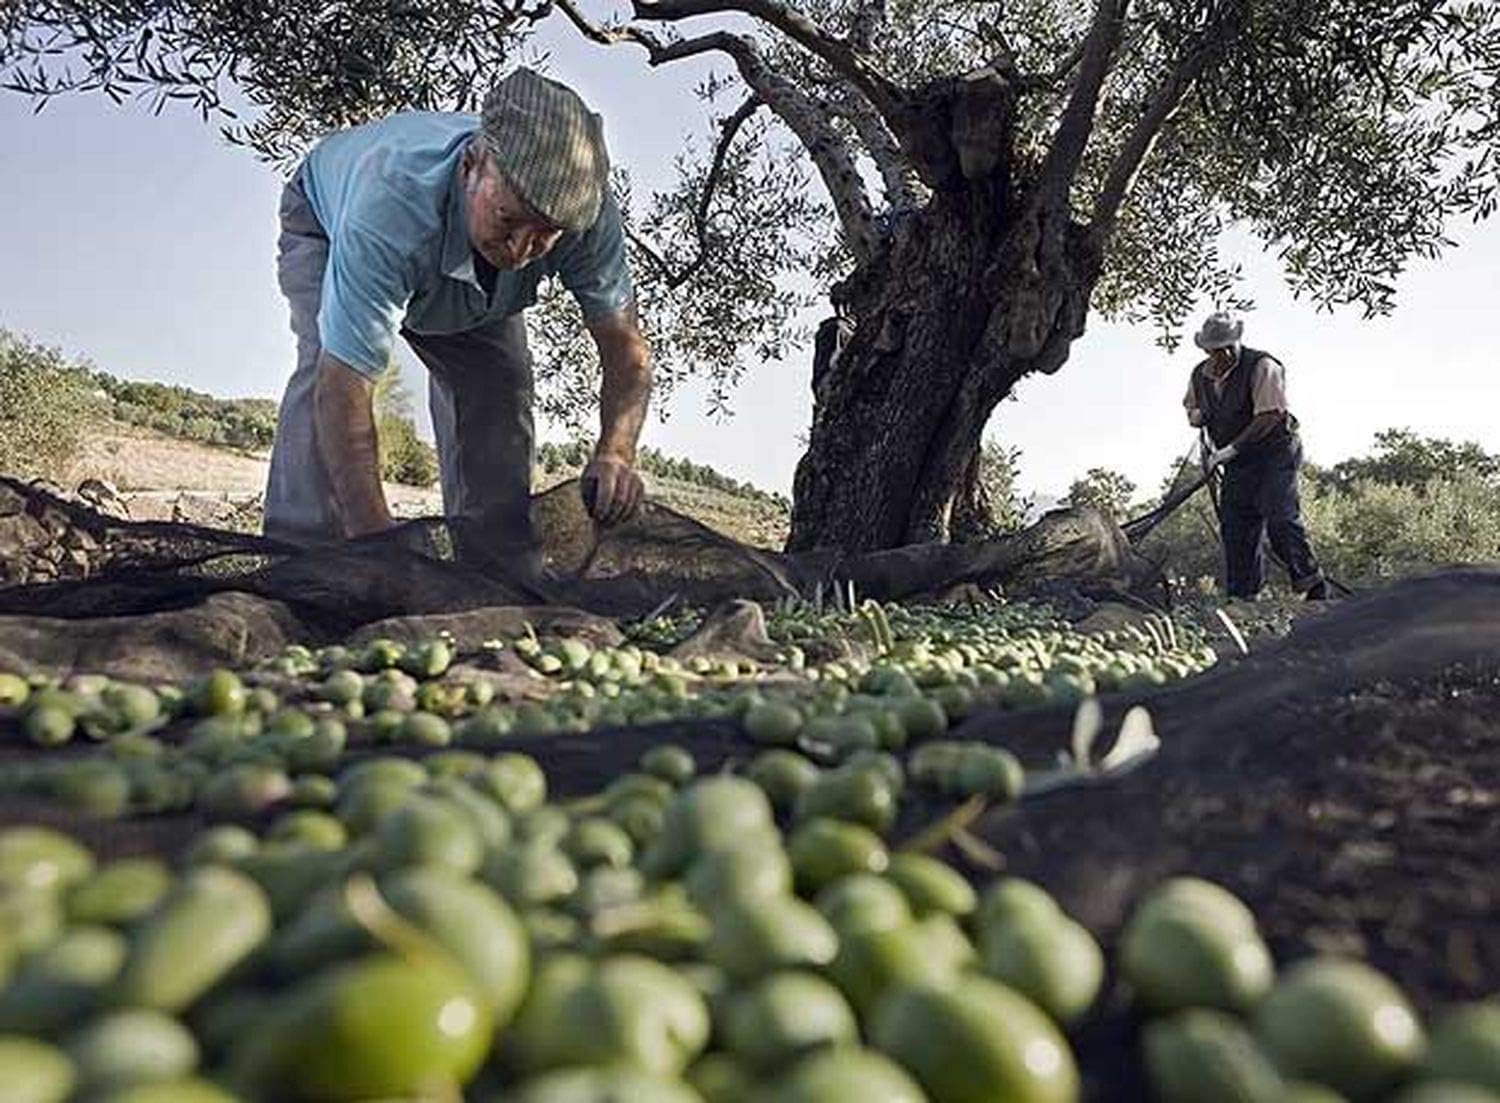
column 349, row 447
column 625, row 394
column 1259, row 426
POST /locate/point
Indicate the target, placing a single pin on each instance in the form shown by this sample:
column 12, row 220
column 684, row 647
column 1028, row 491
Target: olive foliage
column 1344, row 134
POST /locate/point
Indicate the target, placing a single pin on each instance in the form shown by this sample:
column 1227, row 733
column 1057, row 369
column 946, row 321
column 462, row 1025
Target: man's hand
column 612, row 489
column 1220, row 457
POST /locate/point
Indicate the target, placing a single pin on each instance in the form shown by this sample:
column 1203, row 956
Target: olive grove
column 992, row 173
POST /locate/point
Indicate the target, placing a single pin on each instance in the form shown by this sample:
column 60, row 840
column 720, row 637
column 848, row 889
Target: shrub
column 1374, row 532
column 1107, row 491
column 45, row 406
column 245, row 423
column 1392, row 520
column 405, row 457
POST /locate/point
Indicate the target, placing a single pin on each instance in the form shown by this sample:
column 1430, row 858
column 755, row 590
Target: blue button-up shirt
column 389, row 195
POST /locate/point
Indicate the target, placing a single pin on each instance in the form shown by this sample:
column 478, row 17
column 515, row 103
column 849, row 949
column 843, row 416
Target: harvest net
column 62, row 559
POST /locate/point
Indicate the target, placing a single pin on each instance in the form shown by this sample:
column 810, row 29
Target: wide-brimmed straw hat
column 1220, row 331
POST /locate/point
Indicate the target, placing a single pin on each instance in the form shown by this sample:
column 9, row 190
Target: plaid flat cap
column 550, row 147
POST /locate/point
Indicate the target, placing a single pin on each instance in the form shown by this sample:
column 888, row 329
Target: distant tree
column 1107, row 491
column 404, row 456
column 1402, row 458
column 1371, row 532
column 995, row 506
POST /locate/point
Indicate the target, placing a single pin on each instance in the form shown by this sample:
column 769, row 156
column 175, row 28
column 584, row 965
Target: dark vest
column 1226, row 414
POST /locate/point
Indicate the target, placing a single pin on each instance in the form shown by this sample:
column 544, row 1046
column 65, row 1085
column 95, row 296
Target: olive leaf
column 1136, row 743
column 1088, row 721
column 1234, row 632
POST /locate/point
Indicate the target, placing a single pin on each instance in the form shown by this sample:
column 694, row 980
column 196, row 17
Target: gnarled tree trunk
column 960, row 308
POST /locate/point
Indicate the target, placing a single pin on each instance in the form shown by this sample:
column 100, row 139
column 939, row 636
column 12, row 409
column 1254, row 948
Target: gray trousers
column 479, row 391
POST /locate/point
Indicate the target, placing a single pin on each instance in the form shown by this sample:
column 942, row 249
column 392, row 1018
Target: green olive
column 132, row 1046
column 1466, row 1046
column 426, row 831
column 379, row 1027
column 1051, row 960
column 671, row 763
column 34, row 1072
column 975, row 1040
column 863, row 902
column 861, row 796
column 784, row 775
column 876, row 960
column 119, row 893
column 844, row 1074
column 640, row 1014
column 41, row 858
column 786, row 1016
column 773, row 723
column 1205, row 1056
column 930, row 885
column 757, row 869
column 1340, row 1023
column 221, row 693
column 1178, row 952
column 752, row 937
column 824, row 850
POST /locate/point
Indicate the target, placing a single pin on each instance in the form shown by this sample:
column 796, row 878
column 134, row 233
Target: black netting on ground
column 61, row 559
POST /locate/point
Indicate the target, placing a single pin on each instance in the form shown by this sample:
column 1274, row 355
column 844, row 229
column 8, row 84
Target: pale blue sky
column 147, row 245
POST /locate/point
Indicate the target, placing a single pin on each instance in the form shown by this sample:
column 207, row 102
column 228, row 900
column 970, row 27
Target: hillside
column 162, row 476
column 174, row 453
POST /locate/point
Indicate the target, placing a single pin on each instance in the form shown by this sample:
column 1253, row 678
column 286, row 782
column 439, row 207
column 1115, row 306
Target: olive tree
column 991, row 173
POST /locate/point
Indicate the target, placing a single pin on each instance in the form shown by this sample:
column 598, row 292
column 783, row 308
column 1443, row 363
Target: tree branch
column 668, row 274
column 809, row 122
column 868, row 18
column 837, row 52
column 729, row 129
column 1039, row 81
column 896, row 173
column 1077, row 123
column 1160, row 108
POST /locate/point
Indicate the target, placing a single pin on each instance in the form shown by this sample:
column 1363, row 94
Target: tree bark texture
column 971, row 295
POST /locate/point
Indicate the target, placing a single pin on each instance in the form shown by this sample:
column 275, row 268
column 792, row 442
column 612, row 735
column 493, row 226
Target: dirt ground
column 134, row 459
column 164, row 478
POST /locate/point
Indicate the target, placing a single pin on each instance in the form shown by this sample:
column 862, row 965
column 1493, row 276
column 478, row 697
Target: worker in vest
column 1238, row 398
column 440, row 226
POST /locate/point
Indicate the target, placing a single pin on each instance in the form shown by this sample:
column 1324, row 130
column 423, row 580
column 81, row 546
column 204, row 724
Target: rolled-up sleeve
column 1190, row 404
column 1268, row 386
column 366, row 288
column 593, row 266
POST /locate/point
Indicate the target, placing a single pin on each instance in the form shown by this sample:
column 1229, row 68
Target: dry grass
column 157, row 474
